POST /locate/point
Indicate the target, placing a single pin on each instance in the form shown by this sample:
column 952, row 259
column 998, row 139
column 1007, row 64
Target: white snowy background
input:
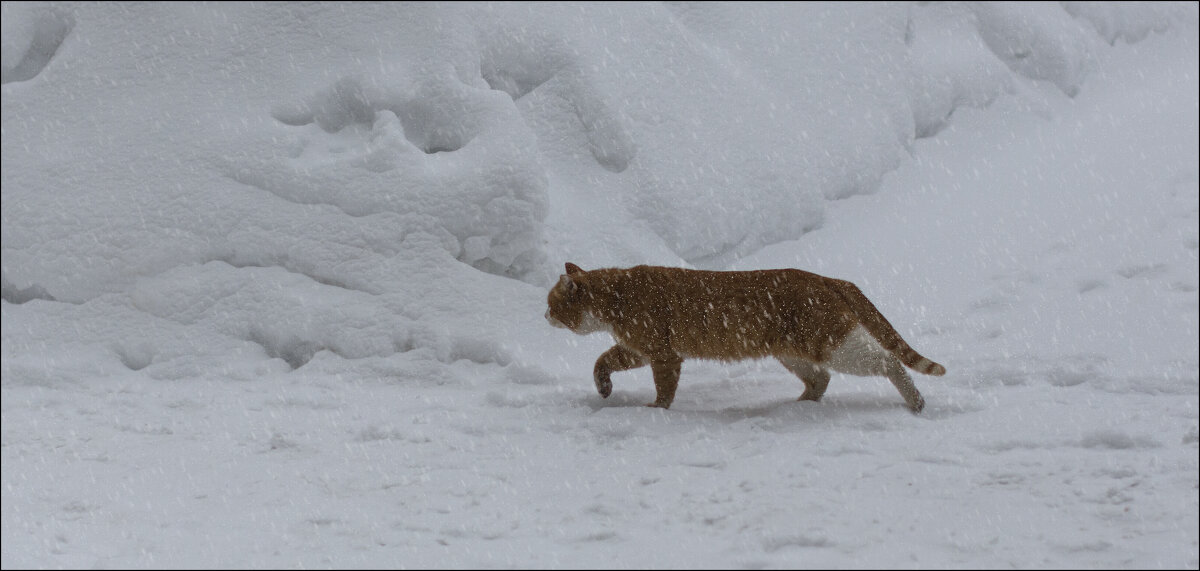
column 274, row 277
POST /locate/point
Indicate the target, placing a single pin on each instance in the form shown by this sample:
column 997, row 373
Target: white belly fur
column 860, row 354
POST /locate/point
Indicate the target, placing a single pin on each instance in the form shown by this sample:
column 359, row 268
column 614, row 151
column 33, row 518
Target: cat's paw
column 603, row 385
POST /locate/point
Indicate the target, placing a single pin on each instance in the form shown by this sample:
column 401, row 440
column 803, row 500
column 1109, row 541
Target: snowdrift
column 392, row 150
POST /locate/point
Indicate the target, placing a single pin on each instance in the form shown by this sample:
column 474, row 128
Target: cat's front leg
column 666, row 379
column 617, row 358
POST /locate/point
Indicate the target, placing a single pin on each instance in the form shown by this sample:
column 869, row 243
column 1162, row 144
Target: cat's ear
column 568, row 283
column 572, row 269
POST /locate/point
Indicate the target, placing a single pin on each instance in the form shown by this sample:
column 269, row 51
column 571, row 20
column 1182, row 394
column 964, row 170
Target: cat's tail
column 879, row 328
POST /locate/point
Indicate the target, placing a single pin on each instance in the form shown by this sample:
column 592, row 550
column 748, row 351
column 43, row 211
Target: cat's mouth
column 555, row 322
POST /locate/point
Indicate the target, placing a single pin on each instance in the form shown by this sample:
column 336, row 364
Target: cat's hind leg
column 815, row 377
column 903, row 383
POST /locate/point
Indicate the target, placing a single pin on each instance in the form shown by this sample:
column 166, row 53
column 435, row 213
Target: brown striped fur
column 660, row 316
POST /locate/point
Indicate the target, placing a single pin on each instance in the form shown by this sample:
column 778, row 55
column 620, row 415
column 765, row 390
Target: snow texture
column 274, row 277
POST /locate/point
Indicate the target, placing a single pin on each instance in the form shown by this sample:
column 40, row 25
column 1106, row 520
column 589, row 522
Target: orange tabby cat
column 660, row 316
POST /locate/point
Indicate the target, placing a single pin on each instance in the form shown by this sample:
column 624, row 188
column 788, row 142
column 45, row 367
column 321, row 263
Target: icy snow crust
column 274, row 276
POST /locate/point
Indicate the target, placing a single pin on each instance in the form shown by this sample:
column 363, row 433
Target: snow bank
column 453, row 121
column 238, row 172
column 1130, row 21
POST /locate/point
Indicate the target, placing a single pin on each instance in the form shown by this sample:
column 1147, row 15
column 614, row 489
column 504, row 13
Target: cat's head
column 567, row 301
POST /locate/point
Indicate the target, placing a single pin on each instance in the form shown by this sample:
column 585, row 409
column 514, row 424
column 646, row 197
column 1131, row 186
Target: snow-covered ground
column 274, row 277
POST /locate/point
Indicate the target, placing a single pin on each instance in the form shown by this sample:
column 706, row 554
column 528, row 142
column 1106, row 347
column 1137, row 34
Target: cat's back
column 763, row 300
column 681, row 284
